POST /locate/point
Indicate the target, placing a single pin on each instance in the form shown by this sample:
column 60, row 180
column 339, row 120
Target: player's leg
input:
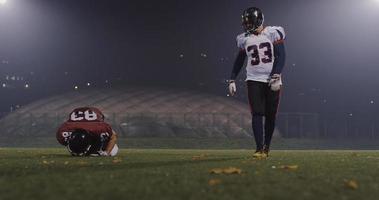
column 257, row 106
column 257, row 124
column 272, row 104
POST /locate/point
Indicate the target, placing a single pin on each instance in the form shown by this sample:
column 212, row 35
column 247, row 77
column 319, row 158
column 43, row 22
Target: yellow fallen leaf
column 66, row 163
column 351, row 184
column 216, row 171
column 289, row 167
column 45, row 162
column 116, row 160
column 213, row 182
column 232, row 170
column 229, row 170
column 82, row 163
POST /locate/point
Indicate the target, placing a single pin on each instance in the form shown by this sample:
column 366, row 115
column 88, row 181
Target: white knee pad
column 114, row 150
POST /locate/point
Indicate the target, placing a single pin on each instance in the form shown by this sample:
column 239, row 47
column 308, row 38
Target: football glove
column 103, row 153
column 275, row 82
column 232, row 88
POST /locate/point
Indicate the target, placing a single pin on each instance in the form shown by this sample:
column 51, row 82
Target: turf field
column 189, row 174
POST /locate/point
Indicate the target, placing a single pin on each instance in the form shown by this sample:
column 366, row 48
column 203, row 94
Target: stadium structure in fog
column 137, row 112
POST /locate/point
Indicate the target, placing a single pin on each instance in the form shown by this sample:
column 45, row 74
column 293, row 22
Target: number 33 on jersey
column 260, row 52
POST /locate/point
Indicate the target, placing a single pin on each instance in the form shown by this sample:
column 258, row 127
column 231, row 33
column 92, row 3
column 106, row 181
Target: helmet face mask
column 79, row 143
column 252, row 19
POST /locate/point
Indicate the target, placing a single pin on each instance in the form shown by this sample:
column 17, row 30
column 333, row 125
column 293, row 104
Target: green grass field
column 185, row 174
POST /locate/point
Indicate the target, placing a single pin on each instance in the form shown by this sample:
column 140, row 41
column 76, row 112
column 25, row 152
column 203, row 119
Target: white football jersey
column 260, row 52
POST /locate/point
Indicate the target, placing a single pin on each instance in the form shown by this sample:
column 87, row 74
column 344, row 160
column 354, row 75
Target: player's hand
column 275, row 82
column 103, row 153
column 232, row 88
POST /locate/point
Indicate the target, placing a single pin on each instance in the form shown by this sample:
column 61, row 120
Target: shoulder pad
column 275, row 33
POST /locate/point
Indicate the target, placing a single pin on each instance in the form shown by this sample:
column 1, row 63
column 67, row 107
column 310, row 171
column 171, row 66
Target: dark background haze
column 48, row 47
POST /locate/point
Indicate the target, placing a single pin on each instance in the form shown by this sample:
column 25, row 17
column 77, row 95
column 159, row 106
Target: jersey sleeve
column 241, row 40
column 277, row 34
column 103, row 133
column 63, row 134
column 102, row 130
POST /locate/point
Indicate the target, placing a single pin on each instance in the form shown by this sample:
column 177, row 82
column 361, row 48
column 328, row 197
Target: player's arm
column 238, row 64
column 278, row 37
column 280, row 57
column 111, row 143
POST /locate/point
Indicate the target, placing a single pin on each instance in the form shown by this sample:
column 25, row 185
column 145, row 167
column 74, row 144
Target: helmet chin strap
column 255, row 31
column 259, row 29
column 79, row 154
column 89, row 146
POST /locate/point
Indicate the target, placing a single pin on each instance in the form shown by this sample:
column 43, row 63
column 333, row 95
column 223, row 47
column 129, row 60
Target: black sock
column 269, row 130
column 258, row 130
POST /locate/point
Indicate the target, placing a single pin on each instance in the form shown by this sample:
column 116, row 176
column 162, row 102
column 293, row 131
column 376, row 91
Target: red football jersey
column 89, row 119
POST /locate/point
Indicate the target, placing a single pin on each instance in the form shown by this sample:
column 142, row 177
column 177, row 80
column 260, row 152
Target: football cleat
column 103, row 153
column 252, row 19
column 266, row 150
column 259, row 154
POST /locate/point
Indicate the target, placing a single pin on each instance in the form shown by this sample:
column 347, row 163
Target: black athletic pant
column 263, row 103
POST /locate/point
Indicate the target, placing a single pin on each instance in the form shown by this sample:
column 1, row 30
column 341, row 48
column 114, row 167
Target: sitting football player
column 86, row 134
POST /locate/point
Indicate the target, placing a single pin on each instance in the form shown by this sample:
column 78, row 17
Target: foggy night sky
column 332, row 48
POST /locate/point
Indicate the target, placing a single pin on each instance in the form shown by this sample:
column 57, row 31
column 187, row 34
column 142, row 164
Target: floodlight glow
column 2, row 2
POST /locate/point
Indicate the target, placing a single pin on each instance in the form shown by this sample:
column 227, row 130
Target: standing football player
column 85, row 133
column 264, row 49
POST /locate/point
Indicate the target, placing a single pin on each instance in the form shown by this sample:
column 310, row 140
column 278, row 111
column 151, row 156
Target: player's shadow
column 129, row 164
column 172, row 163
column 125, row 164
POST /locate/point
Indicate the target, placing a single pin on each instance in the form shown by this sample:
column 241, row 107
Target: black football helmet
column 80, row 142
column 252, row 19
